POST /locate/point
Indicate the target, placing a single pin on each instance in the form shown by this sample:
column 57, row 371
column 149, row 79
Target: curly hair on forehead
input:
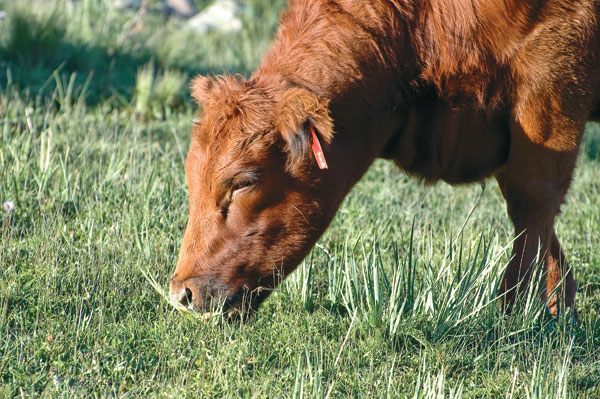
column 247, row 110
column 230, row 106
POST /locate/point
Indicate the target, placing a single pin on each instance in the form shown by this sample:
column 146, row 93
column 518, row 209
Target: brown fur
column 454, row 90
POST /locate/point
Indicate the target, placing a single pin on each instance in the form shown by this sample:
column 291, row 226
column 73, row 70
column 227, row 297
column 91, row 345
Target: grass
column 396, row 300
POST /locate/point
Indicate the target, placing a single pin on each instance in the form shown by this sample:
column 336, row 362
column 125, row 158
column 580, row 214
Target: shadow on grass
column 113, row 74
column 35, row 45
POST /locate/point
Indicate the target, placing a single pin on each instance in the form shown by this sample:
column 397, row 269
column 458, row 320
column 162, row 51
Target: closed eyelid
column 227, row 186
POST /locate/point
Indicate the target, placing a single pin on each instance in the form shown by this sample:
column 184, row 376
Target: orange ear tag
column 317, row 150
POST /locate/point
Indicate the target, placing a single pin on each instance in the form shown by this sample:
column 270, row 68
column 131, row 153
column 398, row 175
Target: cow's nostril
column 186, row 298
column 180, row 294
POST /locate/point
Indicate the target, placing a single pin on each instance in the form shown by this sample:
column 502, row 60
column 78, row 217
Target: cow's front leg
column 534, row 183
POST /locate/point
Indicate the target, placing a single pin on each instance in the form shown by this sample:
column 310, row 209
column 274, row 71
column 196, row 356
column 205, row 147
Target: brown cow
column 453, row 90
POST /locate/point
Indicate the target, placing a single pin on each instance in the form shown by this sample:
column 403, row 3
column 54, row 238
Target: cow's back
column 482, row 51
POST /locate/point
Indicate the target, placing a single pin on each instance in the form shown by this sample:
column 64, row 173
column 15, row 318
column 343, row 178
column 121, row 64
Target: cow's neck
column 354, row 65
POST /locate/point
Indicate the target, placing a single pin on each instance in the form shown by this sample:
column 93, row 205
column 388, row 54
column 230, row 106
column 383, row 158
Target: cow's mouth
column 244, row 302
column 240, row 304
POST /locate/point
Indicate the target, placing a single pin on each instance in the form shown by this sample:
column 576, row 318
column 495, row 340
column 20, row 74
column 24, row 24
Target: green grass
column 395, row 300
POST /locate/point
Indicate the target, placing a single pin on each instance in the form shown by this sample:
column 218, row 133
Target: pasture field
column 398, row 299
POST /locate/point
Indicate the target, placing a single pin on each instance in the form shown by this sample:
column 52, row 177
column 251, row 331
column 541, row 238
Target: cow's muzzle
column 211, row 296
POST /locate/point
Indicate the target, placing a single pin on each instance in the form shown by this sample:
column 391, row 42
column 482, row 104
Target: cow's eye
column 245, row 180
column 241, row 182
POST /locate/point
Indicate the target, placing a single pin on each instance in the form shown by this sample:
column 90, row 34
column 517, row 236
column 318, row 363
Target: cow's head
column 258, row 200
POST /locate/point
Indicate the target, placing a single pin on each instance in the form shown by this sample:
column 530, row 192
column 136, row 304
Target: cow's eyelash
column 245, row 179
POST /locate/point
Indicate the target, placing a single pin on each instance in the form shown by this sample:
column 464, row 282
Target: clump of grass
column 447, row 296
column 158, row 93
column 169, row 88
column 143, row 88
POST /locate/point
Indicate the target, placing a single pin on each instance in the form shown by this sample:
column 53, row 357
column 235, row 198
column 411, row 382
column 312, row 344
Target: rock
column 128, row 3
column 222, row 15
column 180, row 8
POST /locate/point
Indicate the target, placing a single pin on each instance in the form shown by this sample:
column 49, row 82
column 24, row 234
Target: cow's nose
column 180, row 294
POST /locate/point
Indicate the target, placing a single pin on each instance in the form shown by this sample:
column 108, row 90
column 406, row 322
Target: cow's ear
column 201, row 88
column 298, row 109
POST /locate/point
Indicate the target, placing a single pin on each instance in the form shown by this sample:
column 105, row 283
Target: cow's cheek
column 269, row 235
